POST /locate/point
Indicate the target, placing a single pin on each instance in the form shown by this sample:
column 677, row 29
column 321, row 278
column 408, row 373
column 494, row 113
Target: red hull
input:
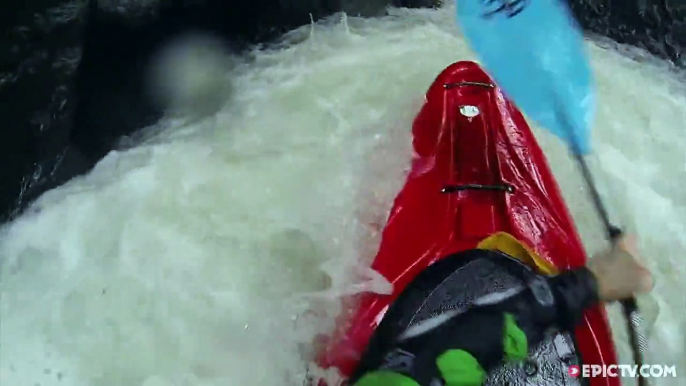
column 494, row 147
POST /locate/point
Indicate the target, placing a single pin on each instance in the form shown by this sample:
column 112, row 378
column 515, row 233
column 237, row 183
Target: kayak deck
column 477, row 170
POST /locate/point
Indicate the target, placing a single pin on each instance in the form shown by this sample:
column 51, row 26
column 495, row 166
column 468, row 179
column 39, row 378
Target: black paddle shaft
column 637, row 340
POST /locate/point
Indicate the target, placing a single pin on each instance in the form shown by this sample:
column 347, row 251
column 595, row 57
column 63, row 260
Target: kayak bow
column 478, row 174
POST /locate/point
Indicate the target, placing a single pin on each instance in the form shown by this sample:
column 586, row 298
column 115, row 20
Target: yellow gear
column 508, row 244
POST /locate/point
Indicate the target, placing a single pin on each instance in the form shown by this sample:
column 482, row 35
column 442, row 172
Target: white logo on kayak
column 469, row 111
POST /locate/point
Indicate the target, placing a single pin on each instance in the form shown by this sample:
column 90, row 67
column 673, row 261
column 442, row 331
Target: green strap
column 385, row 378
column 515, row 344
column 458, row 367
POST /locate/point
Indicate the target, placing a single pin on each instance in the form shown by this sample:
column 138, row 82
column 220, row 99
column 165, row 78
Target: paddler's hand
column 619, row 272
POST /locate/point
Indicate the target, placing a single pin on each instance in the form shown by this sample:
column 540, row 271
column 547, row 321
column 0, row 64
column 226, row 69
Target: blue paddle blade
column 534, row 50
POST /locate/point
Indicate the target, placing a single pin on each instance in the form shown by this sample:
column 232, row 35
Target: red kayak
column 477, row 171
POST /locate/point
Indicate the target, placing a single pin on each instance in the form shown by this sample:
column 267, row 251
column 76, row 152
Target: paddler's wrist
column 575, row 291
